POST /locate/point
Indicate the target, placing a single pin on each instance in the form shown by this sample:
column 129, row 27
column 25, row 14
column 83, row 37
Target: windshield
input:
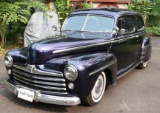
column 92, row 23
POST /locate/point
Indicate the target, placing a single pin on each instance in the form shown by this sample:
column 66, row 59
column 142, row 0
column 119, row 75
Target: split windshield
column 91, row 23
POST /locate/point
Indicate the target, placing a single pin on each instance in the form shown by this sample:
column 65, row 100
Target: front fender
column 19, row 55
column 89, row 66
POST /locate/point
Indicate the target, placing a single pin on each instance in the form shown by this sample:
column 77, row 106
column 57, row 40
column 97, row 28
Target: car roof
column 114, row 12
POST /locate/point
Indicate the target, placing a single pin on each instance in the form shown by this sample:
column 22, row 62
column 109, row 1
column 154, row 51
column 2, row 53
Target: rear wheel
column 142, row 65
column 97, row 92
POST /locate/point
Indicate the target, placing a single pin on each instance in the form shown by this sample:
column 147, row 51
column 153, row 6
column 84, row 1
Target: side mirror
column 115, row 30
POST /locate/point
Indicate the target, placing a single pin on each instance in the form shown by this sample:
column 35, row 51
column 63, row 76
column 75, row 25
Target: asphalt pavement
column 137, row 92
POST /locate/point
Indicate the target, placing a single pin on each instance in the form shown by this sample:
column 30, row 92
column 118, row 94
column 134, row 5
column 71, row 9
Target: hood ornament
column 30, row 68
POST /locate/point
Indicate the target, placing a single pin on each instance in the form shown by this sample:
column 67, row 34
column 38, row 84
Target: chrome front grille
column 53, row 83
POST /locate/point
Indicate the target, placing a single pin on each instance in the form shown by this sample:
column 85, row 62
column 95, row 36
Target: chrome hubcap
column 144, row 64
column 99, row 88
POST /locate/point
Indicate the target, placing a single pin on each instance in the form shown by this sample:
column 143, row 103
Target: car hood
column 44, row 50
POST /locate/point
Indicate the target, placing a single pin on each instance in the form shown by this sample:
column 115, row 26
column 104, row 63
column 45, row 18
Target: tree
column 154, row 17
column 143, row 6
column 64, row 7
column 15, row 11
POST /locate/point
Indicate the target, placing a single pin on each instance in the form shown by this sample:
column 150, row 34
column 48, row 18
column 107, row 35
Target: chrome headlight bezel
column 70, row 72
column 8, row 61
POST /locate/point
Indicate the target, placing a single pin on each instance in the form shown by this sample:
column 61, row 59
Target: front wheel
column 97, row 92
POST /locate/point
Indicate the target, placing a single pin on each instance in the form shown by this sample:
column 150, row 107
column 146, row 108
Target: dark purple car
column 96, row 47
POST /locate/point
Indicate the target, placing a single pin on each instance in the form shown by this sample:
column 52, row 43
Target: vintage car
column 96, row 47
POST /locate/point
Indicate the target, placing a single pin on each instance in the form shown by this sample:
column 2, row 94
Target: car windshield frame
column 87, row 17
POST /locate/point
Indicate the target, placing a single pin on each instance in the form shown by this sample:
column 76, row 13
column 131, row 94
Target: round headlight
column 70, row 72
column 8, row 61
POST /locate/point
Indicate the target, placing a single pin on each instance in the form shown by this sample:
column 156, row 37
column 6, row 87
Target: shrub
column 144, row 7
column 154, row 17
column 154, row 31
column 64, row 7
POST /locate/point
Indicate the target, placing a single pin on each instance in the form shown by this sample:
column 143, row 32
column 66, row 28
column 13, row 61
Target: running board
column 125, row 73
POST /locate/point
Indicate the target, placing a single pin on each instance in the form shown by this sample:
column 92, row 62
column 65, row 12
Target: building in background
column 99, row 3
column 106, row 3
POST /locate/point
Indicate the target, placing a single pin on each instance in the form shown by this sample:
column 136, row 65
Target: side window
column 126, row 24
column 139, row 23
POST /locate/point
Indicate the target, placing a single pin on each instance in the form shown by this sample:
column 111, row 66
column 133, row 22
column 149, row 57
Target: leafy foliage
column 143, row 6
column 15, row 11
column 153, row 31
column 154, row 17
column 151, row 14
column 87, row 5
column 64, row 7
column 153, row 21
column 155, row 9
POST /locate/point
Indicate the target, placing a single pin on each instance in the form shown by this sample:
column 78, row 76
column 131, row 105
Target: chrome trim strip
column 128, row 71
column 39, row 97
column 40, row 86
column 102, row 68
column 95, row 44
column 56, row 91
column 78, row 48
column 36, row 71
column 38, row 82
column 39, row 78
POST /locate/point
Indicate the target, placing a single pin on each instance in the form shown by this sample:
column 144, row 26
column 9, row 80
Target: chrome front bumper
column 39, row 97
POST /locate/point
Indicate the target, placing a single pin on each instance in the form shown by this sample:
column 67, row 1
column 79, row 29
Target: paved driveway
column 137, row 92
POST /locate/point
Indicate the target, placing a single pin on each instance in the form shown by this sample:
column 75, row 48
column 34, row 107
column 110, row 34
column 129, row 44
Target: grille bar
column 39, row 82
column 40, row 86
column 36, row 71
column 45, row 81
column 39, row 77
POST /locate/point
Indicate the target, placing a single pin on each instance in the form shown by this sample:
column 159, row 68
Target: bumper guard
column 39, row 97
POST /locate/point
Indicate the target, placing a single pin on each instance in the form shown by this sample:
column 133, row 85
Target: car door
column 126, row 46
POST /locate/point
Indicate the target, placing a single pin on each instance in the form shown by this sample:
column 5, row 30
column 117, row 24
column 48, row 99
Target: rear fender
column 146, row 50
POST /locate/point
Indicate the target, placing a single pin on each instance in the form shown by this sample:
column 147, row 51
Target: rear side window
column 139, row 23
column 126, row 24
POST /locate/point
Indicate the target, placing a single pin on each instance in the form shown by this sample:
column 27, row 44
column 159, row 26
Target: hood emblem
column 30, row 68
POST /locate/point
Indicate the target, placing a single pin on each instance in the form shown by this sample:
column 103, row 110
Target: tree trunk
column 3, row 33
column 2, row 41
